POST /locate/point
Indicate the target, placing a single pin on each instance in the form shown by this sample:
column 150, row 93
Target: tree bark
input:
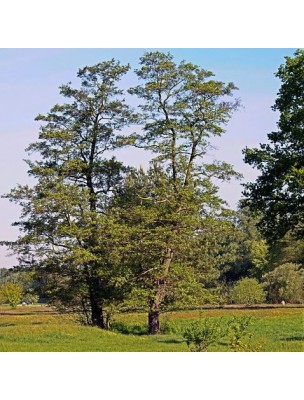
column 153, row 322
column 154, row 311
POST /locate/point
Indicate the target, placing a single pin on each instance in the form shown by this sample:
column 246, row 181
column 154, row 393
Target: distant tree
column 285, row 283
column 11, row 293
column 67, row 234
column 248, row 291
column 279, row 189
column 182, row 107
column 286, row 250
column 26, row 279
column 251, row 249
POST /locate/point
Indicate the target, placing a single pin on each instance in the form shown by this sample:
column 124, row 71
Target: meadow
column 42, row 329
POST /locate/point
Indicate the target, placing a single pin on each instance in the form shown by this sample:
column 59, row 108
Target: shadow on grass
column 5, row 325
column 125, row 329
column 293, row 338
column 250, row 307
column 29, row 313
column 169, row 340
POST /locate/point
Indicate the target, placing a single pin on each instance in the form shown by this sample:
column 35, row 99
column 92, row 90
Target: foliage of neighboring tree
column 176, row 203
column 279, row 190
column 248, row 291
column 285, row 283
column 66, row 232
column 11, row 293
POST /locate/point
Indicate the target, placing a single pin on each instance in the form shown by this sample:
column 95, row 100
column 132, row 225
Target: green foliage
column 285, row 283
column 250, row 256
column 240, row 336
column 201, row 334
column 278, row 191
column 173, row 209
column 287, row 250
column 30, row 298
column 26, row 279
column 248, row 291
column 102, row 232
column 67, row 234
column 11, row 293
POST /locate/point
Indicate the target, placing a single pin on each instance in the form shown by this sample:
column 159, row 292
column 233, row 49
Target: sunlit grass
column 41, row 329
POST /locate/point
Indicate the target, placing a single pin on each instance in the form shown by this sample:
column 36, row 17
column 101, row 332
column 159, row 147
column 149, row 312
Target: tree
column 182, row 107
column 285, row 283
column 248, row 291
column 279, row 190
column 201, row 245
column 252, row 251
column 66, row 231
column 11, row 293
column 26, row 279
column 287, row 250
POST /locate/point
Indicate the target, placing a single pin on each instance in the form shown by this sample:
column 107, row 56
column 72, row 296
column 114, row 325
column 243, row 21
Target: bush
column 30, row 298
column 240, row 336
column 11, row 293
column 201, row 334
column 285, row 283
column 248, row 291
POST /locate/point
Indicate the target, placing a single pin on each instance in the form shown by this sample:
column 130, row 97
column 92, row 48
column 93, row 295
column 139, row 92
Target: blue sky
column 29, row 80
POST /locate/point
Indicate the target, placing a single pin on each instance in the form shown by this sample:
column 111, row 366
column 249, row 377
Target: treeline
column 103, row 236
column 252, row 272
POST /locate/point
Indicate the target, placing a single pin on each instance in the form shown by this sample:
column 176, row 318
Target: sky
column 29, row 81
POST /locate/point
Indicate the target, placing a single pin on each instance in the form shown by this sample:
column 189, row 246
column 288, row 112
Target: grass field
column 36, row 328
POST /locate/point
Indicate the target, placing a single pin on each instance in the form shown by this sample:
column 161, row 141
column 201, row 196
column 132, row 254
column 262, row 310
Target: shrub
column 285, row 283
column 11, row 293
column 248, row 291
column 30, row 298
column 240, row 337
column 201, row 334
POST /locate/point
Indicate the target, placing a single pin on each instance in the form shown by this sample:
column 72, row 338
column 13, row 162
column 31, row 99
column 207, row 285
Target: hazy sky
column 29, row 80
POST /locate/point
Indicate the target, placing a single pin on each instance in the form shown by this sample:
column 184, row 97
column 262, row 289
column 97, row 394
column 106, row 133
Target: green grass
column 41, row 329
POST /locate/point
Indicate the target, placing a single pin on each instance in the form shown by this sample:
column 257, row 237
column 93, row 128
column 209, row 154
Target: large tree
column 200, row 243
column 278, row 192
column 181, row 108
column 66, row 231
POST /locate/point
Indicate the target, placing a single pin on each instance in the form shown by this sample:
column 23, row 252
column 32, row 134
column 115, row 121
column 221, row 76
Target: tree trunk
column 97, row 315
column 153, row 316
column 153, row 322
column 96, row 309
